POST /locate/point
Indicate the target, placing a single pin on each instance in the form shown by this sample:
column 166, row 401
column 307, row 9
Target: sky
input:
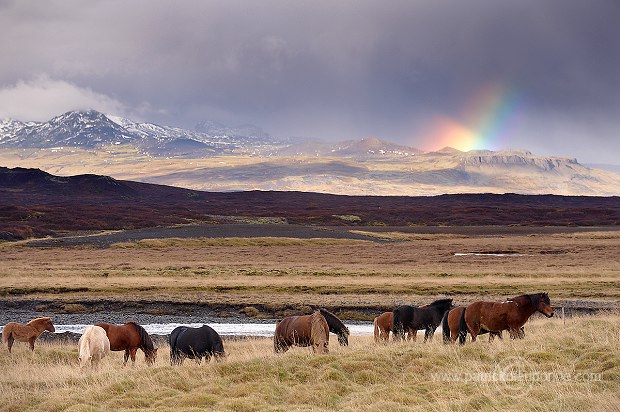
column 542, row 75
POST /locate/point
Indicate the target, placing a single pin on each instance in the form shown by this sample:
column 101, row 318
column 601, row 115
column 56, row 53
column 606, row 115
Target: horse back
column 492, row 316
column 121, row 337
column 295, row 330
column 196, row 341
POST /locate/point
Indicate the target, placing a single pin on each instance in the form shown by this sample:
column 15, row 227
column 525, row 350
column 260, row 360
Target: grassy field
column 346, row 274
column 558, row 367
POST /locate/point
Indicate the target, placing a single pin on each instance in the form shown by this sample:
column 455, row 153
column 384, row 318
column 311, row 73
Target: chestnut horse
column 450, row 327
column 496, row 317
column 308, row 330
column 29, row 332
column 129, row 337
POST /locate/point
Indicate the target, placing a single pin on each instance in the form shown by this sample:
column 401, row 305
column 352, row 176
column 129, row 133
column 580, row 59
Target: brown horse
column 26, row 333
column 383, row 326
column 498, row 316
column 308, row 330
column 450, row 327
column 129, row 337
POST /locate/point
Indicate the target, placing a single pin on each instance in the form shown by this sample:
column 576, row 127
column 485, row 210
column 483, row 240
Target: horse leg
column 132, row 352
column 412, row 334
column 10, row 341
column 31, row 342
column 126, row 357
column 475, row 330
column 428, row 334
column 514, row 333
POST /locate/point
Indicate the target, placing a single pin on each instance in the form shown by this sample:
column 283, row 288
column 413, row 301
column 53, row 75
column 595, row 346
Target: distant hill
column 35, row 203
column 217, row 157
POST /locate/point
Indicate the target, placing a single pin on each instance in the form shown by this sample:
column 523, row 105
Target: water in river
column 224, row 329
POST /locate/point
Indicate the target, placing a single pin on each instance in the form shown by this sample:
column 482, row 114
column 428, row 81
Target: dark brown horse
column 336, row 326
column 383, row 326
column 510, row 315
column 411, row 319
column 450, row 326
column 29, row 332
column 129, row 337
column 308, row 330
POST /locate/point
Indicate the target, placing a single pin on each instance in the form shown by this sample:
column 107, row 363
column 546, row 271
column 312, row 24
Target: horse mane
column 38, row 322
column 335, row 324
column 146, row 343
column 317, row 328
column 441, row 302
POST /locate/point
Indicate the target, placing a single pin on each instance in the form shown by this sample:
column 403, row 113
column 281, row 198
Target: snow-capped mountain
column 91, row 129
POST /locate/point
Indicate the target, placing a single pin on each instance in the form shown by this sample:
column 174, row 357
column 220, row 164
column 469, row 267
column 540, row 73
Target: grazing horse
column 29, row 332
column 308, row 330
column 510, row 315
column 93, row 346
column 336, row 326
column 383, row 327
column 450, row 326
column 195, row 343
column 129, row 337
column 411, row 319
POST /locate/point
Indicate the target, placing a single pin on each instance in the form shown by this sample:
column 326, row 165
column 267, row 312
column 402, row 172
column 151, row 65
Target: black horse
column 336, row 326
column 411, row 318
column 195, row 343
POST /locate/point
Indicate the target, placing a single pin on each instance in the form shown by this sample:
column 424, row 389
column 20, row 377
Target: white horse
column 93, row 346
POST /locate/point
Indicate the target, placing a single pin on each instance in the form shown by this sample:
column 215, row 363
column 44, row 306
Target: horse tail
column 397, row 327
column 445, row 328
column 377, row 332
column 462, row 328
column 319, row 332
column 7, row 332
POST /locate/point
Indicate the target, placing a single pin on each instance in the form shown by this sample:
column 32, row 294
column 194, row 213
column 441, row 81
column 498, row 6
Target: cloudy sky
column 540, row 75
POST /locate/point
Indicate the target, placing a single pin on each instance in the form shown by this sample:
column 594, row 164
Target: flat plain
column 568, row 364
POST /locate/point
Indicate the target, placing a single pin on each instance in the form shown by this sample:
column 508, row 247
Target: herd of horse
column 308, row 330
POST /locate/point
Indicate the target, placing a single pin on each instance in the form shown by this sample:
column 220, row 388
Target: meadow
column 559, row 366
column 274, row 274
column 570, row 364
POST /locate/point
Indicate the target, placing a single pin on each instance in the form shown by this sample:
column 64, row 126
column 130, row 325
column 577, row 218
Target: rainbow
column 486, row 122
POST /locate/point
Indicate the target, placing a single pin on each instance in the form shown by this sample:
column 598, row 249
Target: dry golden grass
column 321, row 272
column 557, row 367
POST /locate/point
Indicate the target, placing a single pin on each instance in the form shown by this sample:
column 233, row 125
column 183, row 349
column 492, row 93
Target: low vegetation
column 571, row 366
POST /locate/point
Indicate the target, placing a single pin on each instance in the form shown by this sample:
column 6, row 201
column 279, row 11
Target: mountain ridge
column 219, row 158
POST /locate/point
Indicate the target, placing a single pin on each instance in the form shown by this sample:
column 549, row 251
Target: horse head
column 85, row 360
column 49, row 326
column 543, row 304
column 42, row 324
column 150, row 356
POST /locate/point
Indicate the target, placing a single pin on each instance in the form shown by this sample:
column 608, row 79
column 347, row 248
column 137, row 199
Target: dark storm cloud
column 322, row 68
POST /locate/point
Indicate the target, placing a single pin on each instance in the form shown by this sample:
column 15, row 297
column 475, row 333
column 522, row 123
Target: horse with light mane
column 93, row 346
column 308, row 330
column 29, row 332
column 495, row 317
